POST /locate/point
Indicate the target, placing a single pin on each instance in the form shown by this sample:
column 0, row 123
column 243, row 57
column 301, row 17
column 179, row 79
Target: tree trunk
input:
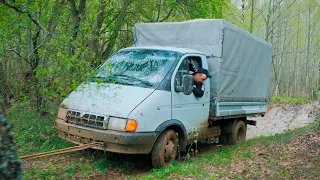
column 308, row 53
column 76, row 15
column 10, row 163
column 252, row 12
column 96, row 31
column 268, row 21
column 52, row 21
column 295, row 69
column 159, row 11
column 243, row 12
column 118, row 24
column 3, row 103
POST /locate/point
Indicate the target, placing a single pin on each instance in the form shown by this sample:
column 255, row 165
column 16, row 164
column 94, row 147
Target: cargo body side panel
column 239, row 108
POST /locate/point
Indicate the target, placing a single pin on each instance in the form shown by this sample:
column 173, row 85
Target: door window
column 189, row 65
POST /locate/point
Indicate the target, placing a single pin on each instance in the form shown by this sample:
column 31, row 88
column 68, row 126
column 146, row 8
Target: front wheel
column 165, row 149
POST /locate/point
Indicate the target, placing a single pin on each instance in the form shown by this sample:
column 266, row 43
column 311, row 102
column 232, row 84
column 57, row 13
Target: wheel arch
column 179, row 128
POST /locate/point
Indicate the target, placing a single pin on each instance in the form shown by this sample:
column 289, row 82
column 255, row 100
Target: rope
column 60, row 151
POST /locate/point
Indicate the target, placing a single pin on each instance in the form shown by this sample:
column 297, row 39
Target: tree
column 10, row 163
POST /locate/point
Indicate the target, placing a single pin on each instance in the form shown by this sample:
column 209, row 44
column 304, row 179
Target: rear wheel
column 165, row 150
column 239, row 131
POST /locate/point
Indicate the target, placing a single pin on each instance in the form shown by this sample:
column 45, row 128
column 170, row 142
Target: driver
column 199, row 78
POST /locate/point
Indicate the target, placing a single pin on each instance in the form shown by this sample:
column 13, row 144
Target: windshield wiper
column 108, row 79
column 134, row 78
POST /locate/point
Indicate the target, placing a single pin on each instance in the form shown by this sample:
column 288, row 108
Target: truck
column 140, row 100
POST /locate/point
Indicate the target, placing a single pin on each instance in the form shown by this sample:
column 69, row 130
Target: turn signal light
column 132, row 125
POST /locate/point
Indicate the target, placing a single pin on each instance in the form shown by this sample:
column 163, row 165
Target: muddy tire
column 239, row 132
column 165, row 149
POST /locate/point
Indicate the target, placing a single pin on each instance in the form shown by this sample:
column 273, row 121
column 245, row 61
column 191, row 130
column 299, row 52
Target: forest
column 49, row 47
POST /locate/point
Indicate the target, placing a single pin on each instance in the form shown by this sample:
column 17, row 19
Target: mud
column 282, row 117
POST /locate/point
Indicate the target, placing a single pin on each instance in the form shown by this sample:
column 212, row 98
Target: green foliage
column 204, row 8
column 295, row 100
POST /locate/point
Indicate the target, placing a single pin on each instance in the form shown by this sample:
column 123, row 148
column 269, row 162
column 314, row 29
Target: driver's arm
column 197, row 91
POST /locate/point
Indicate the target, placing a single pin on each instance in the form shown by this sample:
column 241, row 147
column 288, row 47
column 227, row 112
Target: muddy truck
column 141, row 100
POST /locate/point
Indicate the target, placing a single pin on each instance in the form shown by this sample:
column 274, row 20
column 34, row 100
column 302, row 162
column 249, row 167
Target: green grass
column 104, row 163
column 295, row 100
column 42, row 173
column 34, row 134
column 60, row 170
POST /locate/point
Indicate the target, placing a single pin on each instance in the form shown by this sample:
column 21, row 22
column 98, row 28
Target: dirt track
column 281, row 117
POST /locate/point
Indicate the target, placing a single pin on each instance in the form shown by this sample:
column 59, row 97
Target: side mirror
column 187, row 83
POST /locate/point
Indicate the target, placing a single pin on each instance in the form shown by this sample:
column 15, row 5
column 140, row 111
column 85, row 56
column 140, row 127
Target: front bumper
column 112, row 141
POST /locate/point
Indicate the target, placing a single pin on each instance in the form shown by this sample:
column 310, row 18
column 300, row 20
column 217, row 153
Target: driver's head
column 201, row 75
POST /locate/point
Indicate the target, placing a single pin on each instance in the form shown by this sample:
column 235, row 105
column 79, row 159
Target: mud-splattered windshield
column 138, row 67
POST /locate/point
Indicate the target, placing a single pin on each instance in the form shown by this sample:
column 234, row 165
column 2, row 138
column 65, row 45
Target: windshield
column 139, row 67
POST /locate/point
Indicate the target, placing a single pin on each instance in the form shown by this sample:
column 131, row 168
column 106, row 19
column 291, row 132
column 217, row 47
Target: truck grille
column 87, row 120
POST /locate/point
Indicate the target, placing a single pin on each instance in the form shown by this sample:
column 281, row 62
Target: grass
column 34, row 134
column 294, row 100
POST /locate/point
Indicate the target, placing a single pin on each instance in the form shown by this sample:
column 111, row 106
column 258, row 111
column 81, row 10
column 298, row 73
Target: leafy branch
column 25, row 11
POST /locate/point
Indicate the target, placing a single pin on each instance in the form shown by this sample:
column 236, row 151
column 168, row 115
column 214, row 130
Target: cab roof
column 167, row 48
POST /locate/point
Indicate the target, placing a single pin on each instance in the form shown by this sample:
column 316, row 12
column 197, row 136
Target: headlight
column 62, row 114
column 118, row 124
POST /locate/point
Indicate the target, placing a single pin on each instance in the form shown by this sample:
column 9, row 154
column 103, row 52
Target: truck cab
column 134, row 97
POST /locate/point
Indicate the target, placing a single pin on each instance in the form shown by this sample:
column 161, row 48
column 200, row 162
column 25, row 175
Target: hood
column 106, row 99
